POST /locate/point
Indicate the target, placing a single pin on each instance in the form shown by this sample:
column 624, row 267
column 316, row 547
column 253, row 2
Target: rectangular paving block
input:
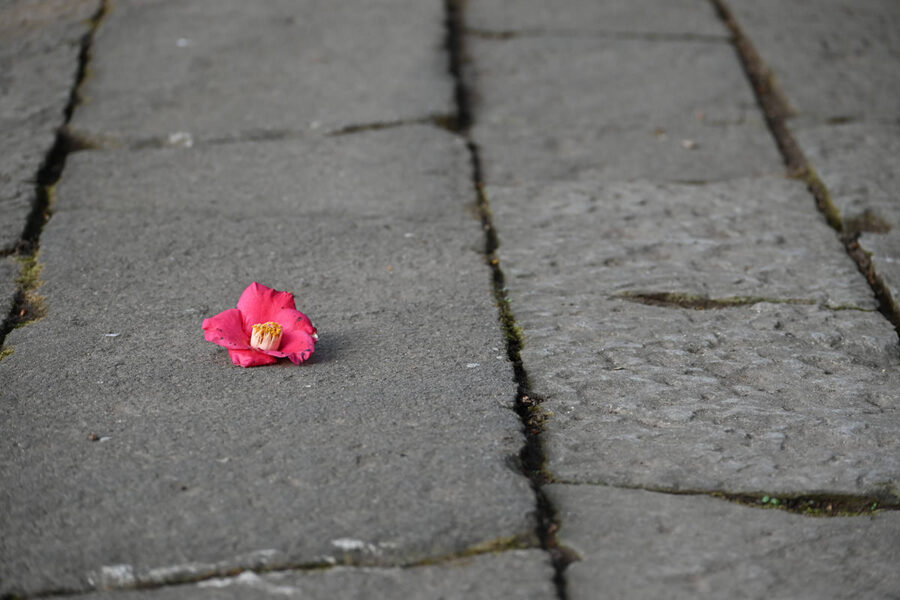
column 834, row 59
column 739, row 239
column 580, row 108
column 132, row 441
column 638, row 544
column 523, row 574
column 787, row 382
column 639, row 17
column 39, row 46
column 177, row 72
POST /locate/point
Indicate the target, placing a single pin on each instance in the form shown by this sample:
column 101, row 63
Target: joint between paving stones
column 532, row 457
column 195, row 573
column 777, row 110
column 691, row 301
column 28, row 305
column 809, row 504
column 644, row 36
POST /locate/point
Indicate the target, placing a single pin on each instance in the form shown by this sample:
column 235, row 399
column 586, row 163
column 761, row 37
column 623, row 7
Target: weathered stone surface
column 176, row 71
column 513, row 574
column 579, row 108
column 637, row 544
column 390, row 435
column 770, row 397
column 858, row 163
column 648, row 17
column 834, row 58
column 39, row 45
column 747, row 237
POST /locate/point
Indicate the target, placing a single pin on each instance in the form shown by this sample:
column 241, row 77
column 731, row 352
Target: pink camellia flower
column 264, row 327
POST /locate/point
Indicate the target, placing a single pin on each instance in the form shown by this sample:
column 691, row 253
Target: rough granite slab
column 742, row 238
column 759, row 397
column 512, row 574
column 638, row 544
column 395, row 430
column 214, row 68
column 639, row 17
column 834, row 59
column 580, row 108
column 859, row 165
column 39, row 46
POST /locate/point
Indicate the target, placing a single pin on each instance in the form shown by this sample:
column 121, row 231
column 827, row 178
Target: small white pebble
column 181, row 138
column 689, row 144
column 471, row 365
column 111, row 334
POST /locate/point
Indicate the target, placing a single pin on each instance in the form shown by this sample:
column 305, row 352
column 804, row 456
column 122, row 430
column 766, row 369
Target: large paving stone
column 835, row 59
column 637, row 544
column 762, row 397
column 748, row 237
column 858, row 163
column 39, row 45
column 512, row 574
column 673, row 17
column 581, row 108
column 218, row 68
column 397, row 434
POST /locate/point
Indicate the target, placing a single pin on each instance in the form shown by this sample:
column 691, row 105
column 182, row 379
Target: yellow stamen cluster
column 266, row 336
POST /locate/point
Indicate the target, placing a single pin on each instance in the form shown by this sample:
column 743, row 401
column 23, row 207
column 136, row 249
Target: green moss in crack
column 6, row 353
column 699, row 302
column 867, row 221
column 31, row 306
column 815, row 505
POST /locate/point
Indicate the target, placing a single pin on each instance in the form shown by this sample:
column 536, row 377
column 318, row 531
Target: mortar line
column 47, row 176
column 532, row 455
column 777, row 110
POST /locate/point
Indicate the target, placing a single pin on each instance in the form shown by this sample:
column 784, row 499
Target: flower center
column 266, row 336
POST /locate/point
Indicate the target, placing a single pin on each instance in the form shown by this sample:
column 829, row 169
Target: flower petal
column 251, row 358
column 297, row 345
column 227, row 330
column 291, row 318
column 260, row 304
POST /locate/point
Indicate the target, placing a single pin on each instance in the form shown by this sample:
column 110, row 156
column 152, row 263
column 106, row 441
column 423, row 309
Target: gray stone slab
column 858, row 163
column 637, row 544
column 761, row 397
column 834, row 58
column 674, row 17
column 397, row 435
column 749, row 237
column 214, row 67
column 582, row 108
column 39, row 45
column 512, row 574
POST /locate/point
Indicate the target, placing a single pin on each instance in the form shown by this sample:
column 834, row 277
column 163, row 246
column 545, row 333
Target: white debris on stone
column 181, row 138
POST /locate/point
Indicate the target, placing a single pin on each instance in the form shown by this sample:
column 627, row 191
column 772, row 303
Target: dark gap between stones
column 532, row 458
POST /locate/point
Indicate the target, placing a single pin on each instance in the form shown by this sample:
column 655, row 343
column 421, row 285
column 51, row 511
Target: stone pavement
column 606, row 293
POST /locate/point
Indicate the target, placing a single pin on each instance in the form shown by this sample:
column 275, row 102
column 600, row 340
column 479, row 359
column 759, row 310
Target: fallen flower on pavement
column 264, row 327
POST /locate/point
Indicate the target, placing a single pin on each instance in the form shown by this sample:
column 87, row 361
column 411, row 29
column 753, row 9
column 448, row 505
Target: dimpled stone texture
column 638, row 544
column 581, row 108
column 834, row 59
column 39, row 45
column 395, row 429
column 648, row 17
column 523, row 574
column 747, row 237
column 787, row 397
column 211, row 68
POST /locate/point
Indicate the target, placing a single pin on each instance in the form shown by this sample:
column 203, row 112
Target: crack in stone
column 811, row 504
column 27, row 305
column 701, row 302
column 777, row 110
column 126, row 577
column 649, row 36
